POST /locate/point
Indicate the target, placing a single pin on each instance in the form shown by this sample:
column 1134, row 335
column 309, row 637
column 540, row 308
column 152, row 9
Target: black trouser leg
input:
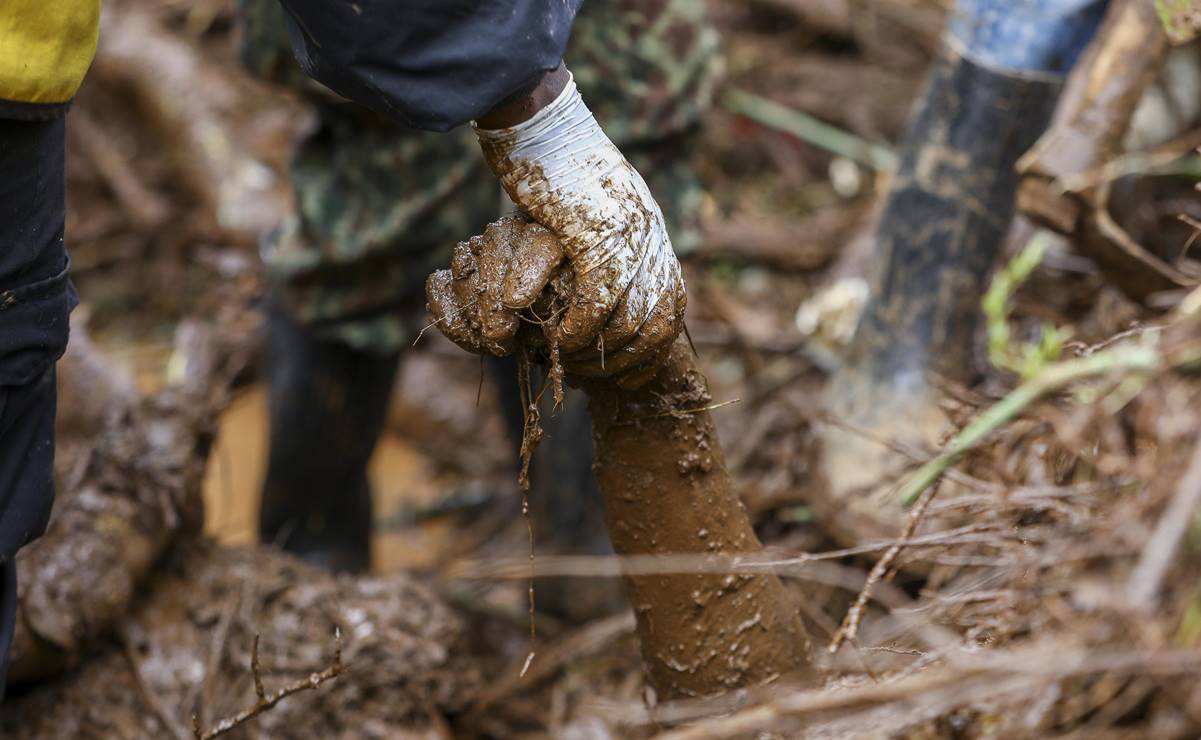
column 8, row 617
column 36, row 298
column 26, row 487
column 328, row 403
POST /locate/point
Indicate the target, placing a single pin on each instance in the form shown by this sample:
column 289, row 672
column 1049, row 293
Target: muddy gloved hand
column 478, row 301
column 498, row 283
column 625, row 305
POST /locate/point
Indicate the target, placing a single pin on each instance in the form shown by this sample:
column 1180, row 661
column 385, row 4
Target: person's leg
column 990, row 95
column 8, row 617
column 36, row 298
column 327, row 407
column 377, row 209
column 26, row 487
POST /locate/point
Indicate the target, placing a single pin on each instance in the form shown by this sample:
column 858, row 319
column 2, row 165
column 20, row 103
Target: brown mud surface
column 185, row 649
column 129, row 471
column 136, row 624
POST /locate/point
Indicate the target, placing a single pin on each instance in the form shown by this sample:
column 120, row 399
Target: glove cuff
column 537, row 126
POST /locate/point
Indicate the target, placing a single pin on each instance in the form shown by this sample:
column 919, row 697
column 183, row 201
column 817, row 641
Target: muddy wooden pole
column 667, row 491
column 659, row 464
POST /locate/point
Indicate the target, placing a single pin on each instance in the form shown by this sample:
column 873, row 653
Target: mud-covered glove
column 492, row 278
column 626, row 304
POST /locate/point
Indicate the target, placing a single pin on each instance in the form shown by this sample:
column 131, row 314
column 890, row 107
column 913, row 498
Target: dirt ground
column 1054, row 595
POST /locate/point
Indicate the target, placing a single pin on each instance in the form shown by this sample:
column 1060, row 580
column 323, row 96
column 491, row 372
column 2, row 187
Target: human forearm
column 523, row 108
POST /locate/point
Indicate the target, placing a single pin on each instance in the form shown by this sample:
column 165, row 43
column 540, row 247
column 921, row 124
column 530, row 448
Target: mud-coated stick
column 667, row 491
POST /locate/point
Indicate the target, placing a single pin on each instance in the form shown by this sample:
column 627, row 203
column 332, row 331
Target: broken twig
column 268, row 700
column 161, row 712
column 850, row 624
column 1147, row 578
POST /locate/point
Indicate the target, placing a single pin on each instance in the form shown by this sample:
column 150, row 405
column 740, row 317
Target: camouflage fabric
column 379, row 207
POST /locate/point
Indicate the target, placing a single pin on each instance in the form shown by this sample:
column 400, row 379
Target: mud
column 665, row 486
column 144, row 624
column 186, row 647
column 120, row 504
column 476, row 303
column 667, row 490
column 129, row 479
column 627, row 292
column 492, row 292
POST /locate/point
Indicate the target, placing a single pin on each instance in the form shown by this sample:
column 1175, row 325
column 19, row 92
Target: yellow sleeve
column 46, row 47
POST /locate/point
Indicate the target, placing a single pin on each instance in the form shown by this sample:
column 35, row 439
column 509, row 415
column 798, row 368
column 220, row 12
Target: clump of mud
column 185, row 649
column 128, row 472
column 130, row 624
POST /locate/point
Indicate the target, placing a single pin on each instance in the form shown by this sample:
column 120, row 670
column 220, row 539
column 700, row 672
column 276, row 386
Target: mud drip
column 531, row 435
column 661, row 472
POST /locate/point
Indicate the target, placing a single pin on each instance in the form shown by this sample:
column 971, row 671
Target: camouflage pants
column 379, row 207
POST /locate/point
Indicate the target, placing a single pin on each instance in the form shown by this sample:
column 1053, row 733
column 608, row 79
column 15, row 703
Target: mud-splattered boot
column 987, row 100
column 327, row 407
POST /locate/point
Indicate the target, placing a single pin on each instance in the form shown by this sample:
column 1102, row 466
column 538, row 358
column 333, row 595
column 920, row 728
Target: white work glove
column 627, row 304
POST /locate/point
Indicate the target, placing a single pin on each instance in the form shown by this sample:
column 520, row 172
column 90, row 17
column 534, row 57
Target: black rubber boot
column 946, row 215
column 327, row 405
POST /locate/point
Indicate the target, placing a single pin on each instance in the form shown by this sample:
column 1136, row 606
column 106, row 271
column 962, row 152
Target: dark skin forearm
column 524, row 108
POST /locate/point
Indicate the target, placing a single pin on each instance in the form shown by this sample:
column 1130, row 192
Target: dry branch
column 995, row 674
column 585, row 641
column 615, row 566
column 849, row 629
column 143, row 206
column 168, row 720
column 920, row 21
column 1148, row 576
column 1093, row 116
column 783, row 244
column 268, row 700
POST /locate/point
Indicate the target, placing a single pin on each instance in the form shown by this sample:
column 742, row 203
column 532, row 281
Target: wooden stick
column 268, row 700
column 1147, row 578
